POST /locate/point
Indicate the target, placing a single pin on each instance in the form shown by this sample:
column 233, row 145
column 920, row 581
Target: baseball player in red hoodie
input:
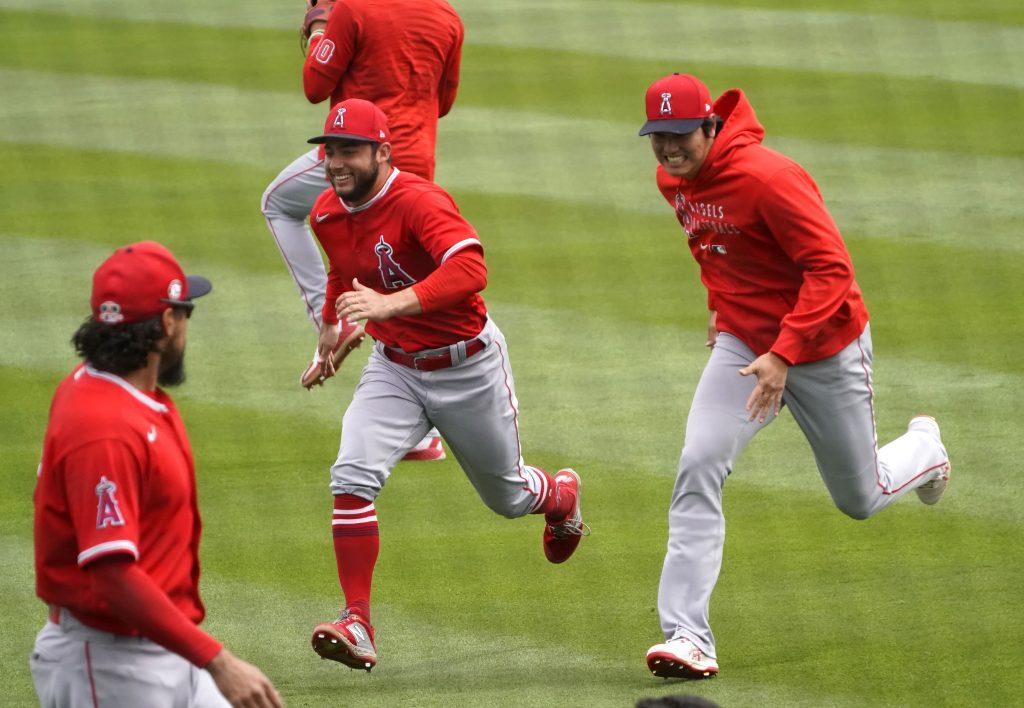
column 787, row 327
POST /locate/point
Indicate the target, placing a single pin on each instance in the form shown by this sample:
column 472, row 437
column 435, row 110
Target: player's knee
column 699, row 467
column 857, row 509
column 268, row 204
column 505, row 507
column 510, row 503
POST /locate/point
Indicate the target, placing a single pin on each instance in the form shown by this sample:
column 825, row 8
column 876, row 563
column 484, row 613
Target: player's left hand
column 315, row 19
column 363, row 303
column 771, row 372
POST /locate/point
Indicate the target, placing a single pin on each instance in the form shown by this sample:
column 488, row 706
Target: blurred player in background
column 403, row 56
column 787, row 326
column 403, row 258
column 116, row 520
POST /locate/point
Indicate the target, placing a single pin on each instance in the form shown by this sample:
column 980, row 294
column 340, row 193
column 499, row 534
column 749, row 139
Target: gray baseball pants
column 285, row 205
column 473, row 404
column 832, row 402
column 75, row 666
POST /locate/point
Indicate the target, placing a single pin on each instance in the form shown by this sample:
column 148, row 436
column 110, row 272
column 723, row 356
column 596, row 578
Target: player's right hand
column 712, row 330
column 241, row 683
column 329, row 334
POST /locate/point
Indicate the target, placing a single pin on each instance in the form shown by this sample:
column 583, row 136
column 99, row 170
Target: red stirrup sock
column 356, row 544
column 555, row 507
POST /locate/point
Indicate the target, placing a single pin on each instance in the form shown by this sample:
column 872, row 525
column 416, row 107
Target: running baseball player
column 116, row 521
column 402, row 257
column 787, row 326
column 405, row 58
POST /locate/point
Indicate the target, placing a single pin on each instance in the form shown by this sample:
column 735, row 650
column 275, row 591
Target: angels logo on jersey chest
column 392, row 274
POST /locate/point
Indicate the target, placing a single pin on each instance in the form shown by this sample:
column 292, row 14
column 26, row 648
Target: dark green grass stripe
column 257, row 59
column 858, row 109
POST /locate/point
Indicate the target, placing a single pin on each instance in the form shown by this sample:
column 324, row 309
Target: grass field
column 122, row 121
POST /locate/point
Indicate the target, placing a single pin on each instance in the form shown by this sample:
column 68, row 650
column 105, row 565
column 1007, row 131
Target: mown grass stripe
column 973, row 52
column 950, row 194
column 691, row 34
column 610, row 87
column 278, row 340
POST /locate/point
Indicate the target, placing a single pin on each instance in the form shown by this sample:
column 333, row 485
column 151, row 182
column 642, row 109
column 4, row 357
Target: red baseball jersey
column 117, row 477
column 394, row 241
column 403, row 56
column 773, row 260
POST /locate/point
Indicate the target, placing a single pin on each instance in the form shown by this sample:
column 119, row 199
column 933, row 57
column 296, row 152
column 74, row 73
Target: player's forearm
column 316, row 85
column 142, row 604
column 459, row 277
column 402, row 304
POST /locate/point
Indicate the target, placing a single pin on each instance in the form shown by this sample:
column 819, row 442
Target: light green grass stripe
column 953, row 198
column 685, row 34
column 177, row 119
column 623, row 381
column 689, row 35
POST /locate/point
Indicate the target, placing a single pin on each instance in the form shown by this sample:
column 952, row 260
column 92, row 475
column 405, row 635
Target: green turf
column 167, row 121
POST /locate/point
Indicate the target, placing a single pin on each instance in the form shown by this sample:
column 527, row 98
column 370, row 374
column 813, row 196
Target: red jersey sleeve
column 439, row 227
column 335, row 287
column 461, row 275
column 450, row 77
column 101, row 480
column 330, row 54
column 794, row 211
column 144, row 606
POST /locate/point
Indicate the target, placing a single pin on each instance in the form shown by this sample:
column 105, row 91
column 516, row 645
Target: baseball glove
column 316, row 11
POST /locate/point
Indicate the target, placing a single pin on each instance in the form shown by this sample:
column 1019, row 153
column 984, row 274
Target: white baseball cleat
column 931, row 491
column 680, row 658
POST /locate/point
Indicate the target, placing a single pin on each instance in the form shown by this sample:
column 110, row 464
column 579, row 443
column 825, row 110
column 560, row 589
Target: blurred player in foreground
column 787, row 327
column 116, row 520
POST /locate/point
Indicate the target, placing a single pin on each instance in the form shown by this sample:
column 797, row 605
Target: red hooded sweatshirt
column 773, row 261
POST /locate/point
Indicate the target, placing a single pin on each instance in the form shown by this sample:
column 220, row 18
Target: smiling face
column 682, row 155
column 356, row 169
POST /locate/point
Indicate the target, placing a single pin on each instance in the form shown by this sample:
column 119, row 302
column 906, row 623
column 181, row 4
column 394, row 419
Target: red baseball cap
column 139, row 282
column 679, row 103
column 355, row 119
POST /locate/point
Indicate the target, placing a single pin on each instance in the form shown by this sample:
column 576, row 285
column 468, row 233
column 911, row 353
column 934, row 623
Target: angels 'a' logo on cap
column 666, row 105
column 339, row 118
column 110, row 312
column 174, row 290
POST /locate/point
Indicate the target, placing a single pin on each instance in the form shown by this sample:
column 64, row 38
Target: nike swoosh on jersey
column 321, row 217
column 151, row 435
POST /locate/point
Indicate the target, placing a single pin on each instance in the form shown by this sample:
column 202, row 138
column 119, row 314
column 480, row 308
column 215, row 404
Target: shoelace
column 571, row 527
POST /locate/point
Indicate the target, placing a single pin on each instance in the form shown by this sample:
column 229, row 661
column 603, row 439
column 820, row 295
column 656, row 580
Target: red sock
column 356, row 544
column 555, row 509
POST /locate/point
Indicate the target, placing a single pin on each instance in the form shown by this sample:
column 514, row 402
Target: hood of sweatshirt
column 740, row 129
